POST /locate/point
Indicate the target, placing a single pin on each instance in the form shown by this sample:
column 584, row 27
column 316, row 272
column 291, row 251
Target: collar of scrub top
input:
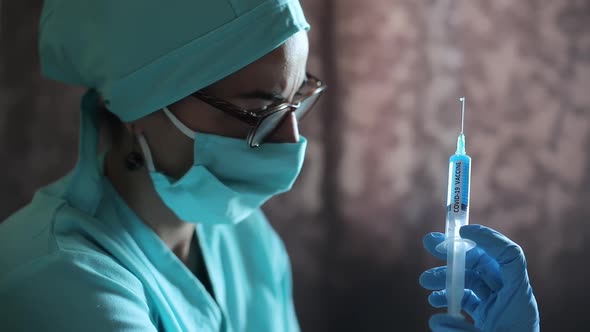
column 84, row 189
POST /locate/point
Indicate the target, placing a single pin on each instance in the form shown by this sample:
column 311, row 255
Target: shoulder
column 26, row 234
column 42, row 228
column 73, row 291
column 63, row 283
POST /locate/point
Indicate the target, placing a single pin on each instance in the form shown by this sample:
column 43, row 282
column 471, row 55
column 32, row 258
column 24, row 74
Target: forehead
column 276, row 71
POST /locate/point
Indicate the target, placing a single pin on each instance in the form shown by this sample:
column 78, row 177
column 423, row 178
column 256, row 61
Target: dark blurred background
column 375, row 177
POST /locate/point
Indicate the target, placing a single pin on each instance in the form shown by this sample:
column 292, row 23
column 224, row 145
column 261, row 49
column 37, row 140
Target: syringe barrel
column 458, row 194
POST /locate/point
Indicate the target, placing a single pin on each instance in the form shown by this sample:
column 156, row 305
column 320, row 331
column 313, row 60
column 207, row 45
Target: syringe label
column 458, row 194
column 457, row 187
column 463, row 208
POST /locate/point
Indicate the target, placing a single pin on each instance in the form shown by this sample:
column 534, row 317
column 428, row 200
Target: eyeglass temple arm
column 239, row 113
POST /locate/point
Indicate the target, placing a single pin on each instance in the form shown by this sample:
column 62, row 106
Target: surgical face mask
column 228, row 180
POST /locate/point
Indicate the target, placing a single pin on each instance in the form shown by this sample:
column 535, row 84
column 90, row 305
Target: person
column 163, row 231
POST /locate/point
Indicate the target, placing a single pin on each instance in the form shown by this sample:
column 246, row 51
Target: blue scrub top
column 62, row 269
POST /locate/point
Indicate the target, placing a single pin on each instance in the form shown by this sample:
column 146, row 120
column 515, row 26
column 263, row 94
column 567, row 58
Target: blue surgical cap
column 142, row 55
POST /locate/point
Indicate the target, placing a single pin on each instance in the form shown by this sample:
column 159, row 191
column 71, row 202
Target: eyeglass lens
column 271, row 122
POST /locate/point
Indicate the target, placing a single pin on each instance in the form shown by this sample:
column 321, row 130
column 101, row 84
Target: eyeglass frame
column 255, row 117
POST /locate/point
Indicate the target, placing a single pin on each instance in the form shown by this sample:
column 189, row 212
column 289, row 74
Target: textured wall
column 375, row 177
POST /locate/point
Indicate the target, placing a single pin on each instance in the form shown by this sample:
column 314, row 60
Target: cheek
column 172, row 151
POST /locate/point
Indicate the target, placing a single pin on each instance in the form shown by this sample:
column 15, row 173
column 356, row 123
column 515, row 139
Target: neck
column 136, row 189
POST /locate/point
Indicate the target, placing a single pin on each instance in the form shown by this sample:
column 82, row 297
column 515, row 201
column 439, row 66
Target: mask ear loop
column 181, row 126
column 147, row 154
column 143, row 145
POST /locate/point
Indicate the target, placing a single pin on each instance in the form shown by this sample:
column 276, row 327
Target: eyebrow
column 270, row 96
column 258, row 94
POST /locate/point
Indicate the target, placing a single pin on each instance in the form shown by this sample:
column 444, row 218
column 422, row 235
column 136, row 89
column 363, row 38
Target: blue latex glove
column 498, row 295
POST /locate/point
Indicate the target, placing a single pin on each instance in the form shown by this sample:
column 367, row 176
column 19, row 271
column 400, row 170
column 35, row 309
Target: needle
column 462, row 100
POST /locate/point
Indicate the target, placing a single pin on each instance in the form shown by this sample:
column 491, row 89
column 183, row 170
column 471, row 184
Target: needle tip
column 462, row 100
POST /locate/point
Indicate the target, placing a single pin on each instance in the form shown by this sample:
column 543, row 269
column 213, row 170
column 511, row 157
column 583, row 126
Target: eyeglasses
column 264, row 121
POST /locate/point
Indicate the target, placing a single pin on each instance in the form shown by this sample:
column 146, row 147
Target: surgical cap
column 142, row 55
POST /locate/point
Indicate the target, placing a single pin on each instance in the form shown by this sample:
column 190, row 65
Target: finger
column 435, row 279
column 474, row 282
column 498, row 246
column 431, row 240
column 469, row 303
column 448, row 323
column 508, row 254
column 486, row 267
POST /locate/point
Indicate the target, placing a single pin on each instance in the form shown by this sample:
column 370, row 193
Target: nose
column 287, row 131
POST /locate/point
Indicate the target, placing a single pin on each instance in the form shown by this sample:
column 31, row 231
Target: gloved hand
column 498, row 295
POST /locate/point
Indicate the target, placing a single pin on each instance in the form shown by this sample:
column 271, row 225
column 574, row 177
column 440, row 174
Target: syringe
column 457, row 215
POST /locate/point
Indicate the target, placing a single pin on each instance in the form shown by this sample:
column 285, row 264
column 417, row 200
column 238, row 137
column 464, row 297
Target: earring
column 134, row 161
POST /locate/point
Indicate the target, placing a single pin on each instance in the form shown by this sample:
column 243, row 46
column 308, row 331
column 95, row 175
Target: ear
column 134, row 128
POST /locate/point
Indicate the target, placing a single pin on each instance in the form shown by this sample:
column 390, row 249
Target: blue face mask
column 228, row 180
